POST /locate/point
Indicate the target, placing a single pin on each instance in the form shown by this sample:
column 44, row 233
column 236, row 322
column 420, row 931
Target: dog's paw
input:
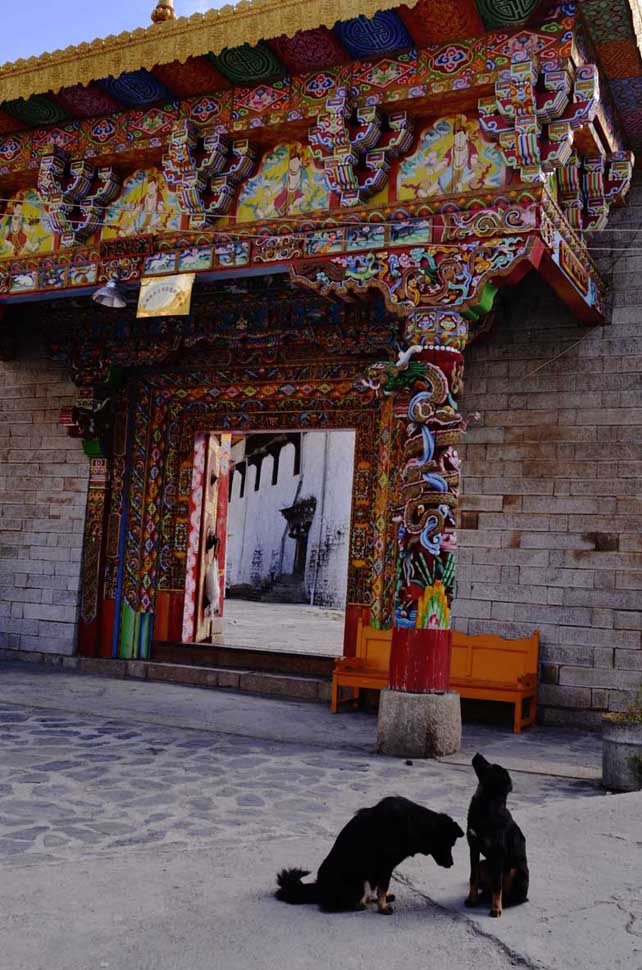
column 386, row 910
column 390, row 897
column 471, row 901
column 496, row 912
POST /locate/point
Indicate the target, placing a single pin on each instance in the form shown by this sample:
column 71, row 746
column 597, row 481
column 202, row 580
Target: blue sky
column 32, row 26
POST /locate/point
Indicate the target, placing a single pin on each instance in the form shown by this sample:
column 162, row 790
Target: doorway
column 274, row 541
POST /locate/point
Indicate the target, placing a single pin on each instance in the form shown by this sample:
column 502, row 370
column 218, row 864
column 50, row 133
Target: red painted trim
column 354, row 613
column 107, row 620
column 175, row 620
column 556, row 279
column 420, row 660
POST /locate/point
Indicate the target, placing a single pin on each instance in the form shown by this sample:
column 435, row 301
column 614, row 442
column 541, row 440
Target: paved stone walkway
column 70, row 785
column 141, row 825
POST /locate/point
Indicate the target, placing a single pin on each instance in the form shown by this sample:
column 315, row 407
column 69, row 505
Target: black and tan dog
column 366, row 851
column 503, row 878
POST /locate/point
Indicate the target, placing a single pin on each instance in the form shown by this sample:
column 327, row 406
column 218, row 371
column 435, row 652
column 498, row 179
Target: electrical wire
column 556, row 357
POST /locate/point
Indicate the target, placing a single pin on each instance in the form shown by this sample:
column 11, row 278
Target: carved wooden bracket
column 356, row 147
column 206, row 171
column 588, row 188
column 91, row 419
column 421, row 278
column 534, row 116
column 75, row 194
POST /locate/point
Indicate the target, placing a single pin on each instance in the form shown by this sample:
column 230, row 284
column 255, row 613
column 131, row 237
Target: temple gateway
column 248, row 261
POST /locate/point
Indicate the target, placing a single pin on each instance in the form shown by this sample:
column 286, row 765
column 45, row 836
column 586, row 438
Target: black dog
column 373, row 842
column 492, row 833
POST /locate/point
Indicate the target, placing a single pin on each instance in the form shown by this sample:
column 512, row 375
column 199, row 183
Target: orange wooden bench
column 485, row 667
column 491, row 668
column 367, row 669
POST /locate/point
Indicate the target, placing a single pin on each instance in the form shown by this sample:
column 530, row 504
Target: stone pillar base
column 418, row 725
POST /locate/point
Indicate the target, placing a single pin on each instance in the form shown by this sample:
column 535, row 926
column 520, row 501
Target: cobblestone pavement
column 73, row 786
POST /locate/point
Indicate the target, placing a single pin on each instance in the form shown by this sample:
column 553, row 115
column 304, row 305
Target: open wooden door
column 224, row 456
column 210, row 587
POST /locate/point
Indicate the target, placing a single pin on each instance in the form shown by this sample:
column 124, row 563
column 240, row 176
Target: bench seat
column 484, row 667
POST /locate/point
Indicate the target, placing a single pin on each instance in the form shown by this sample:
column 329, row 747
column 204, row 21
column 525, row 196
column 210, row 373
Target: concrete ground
column 141, row 825
column 283, row 627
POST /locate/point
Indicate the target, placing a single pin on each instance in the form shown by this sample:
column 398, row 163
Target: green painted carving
column 247, row 64
column 484, row 304
column 37, row 110
column 506, row 13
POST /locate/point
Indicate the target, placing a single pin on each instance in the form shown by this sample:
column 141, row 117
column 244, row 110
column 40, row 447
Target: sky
column 29, row 27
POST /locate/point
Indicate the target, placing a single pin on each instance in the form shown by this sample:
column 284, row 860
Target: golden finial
column 164, row 10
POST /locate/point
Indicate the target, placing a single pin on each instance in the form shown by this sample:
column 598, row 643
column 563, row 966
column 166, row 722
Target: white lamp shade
column 110, row 295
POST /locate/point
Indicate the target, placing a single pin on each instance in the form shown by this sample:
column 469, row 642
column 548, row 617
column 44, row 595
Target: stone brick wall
column 552, row 509
column 43, row 489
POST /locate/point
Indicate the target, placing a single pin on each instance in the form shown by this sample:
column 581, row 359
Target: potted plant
column 622, row 748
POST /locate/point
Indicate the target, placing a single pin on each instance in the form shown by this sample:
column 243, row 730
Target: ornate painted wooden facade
column 350, row 192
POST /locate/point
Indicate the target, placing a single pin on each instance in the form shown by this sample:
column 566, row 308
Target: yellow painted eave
column 175, row 40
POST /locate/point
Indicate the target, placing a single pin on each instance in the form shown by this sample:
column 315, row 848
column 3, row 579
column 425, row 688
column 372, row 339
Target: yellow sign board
column 165, row 296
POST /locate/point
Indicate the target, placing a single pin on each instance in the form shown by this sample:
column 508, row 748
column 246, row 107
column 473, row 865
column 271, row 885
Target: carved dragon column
column 425, row 514
column 418, row 715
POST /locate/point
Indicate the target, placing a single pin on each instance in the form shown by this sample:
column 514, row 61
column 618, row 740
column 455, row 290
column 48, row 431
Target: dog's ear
column 459, row 832
column 480, row 765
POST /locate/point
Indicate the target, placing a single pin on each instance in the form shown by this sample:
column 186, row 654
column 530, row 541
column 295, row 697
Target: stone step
column 299, row 687
column 296, row 686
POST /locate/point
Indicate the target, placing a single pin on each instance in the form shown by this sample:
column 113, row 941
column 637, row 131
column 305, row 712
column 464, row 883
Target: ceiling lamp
column 111, row 295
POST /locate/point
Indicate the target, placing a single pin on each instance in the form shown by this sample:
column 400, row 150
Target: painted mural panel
column 288, row 183
column 452, row 156
column 24, row 230
column 146, row 204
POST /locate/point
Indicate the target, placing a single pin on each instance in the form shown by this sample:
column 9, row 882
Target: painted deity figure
column 16, row 236
column 292, row 191
column 452, row 156
column 461, row 159
column 151, row 205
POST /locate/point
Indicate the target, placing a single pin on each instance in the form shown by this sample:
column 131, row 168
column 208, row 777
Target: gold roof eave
column 175, row 40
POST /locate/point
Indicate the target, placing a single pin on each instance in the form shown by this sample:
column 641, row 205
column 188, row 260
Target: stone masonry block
column 629, row 660
column 298, row 687
column 599, row 677
column 563, row 696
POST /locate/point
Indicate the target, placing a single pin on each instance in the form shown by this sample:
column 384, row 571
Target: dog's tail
column 292, row 890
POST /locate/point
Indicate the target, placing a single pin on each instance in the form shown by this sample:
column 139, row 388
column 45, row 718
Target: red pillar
column 425, row 513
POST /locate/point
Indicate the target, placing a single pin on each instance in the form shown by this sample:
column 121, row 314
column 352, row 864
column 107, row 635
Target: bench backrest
column 486, row 657
column 492, row 658
column 373, row 647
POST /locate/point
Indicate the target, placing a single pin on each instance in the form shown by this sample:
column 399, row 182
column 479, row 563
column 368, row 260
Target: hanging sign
column 165, row 296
